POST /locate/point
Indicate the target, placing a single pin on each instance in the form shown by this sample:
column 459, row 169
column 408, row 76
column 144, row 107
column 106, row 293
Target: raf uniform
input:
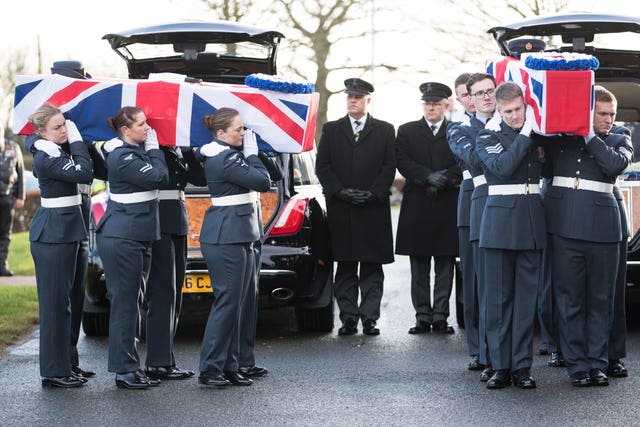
column 56, row 233
column 229, row 229
column 163, row 292
column 124, row 236
column 583, row 221
column 356, row 169
column 512, row 235
column 11, row 189
column 462, row 141
column 427, row 221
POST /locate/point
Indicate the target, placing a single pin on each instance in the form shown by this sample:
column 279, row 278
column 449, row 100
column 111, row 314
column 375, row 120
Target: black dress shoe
column 486, row 374
column 616, row 369
column 167, row 373
column 556, row 360
column 420, row 328
column 80, row 377
column 236, row 378
column 62, row 382
column 598, row 377
column 253, row 371
column 213, row 380
column 81, row 372
column 133, row 380
column 442, row 327
column 522, row 379
column 474, row 363
column 369, row 327
column 580, row 379
column 349, row 327
column 500, row 379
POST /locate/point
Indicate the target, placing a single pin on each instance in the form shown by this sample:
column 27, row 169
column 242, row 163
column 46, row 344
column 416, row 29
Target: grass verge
column 20, row 261
column 18, row 313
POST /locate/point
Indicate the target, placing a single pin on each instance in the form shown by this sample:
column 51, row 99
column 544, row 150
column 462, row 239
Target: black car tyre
column 95, row 324
column 315, row 319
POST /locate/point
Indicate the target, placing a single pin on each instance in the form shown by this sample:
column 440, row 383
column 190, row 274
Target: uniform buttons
column 579, row 160
column 577, row 172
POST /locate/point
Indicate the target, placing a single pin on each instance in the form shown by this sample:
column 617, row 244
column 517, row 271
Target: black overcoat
column 427, row 223
column 358, row 233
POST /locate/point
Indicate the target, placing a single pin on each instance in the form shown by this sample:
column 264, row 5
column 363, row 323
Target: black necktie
column 433, row 129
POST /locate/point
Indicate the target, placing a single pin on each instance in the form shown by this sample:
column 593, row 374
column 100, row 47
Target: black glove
column 438, row 179
column 351, row 195
column 365, row 197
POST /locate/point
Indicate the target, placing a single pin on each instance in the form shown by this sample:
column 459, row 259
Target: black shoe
column 556, row 360
column 253, row 371
column 82, row 373
column 213, row 380
column 442, row 327
column 616, row 369
column 62, row 382
column 349, row 327
column 543, row 351
column 134, row 380
column 522, row 378
column 167, row 373
column 237, row 379
column 500, row 379
column 80, row 377
column 474, row 363
column 580, row 379
column 6, row 272
column 420, row 328
column 598, row 377
column 369, row 328
column 486, row 374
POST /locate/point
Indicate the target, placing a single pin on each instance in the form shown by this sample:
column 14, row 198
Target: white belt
column 84, row 188
column 60, row 202
column 235, row 199
column 511, row 189
column 582, row 184
column 479, row 180
column 171, row 195
column 140, row 196
column 466, row 174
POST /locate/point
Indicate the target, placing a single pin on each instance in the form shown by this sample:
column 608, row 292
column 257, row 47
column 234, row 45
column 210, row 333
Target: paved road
column 322, row 379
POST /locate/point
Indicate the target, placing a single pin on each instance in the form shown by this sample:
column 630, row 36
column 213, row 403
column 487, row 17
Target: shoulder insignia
column 494, row 149
column 128, row 157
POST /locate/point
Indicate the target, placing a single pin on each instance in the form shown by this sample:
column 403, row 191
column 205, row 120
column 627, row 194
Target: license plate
column 195, row 283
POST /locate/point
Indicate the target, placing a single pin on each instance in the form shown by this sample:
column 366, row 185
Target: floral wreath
column 278, row 84
column 561, row 61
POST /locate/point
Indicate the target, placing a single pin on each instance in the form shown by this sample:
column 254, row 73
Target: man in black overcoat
column 356, row 167
column 427, row 226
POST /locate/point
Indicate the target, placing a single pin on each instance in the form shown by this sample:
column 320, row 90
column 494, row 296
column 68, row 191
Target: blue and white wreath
column 278, row 84
column 560, row 61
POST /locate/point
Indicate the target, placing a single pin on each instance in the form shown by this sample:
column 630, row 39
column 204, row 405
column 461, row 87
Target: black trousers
column 426, row 310
column 368, row 282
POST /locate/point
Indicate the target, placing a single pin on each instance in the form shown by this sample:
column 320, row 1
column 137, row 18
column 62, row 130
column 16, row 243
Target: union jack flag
column 562, row 101
column 283, row 122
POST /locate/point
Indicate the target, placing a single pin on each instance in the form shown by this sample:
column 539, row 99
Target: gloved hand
column 212, row 149
column 349, row 195
column 152, row 141
column 112, row 144
column 589, row 137
column 249, row 144
column 364, row 197
column 494, row 123
column 527, row 127
column 73, row 134
column 438, row 179
column 49, row 147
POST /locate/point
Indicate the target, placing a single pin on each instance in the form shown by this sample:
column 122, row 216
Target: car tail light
column 98, row 207
column 291, row 218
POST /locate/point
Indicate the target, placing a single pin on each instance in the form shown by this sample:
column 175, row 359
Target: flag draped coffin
column 283, row 122
column 562, row 100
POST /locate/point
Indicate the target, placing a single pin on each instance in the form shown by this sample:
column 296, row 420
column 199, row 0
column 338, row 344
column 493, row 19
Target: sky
column 64, row 35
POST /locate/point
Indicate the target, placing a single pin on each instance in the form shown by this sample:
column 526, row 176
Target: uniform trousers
column 126, row 265
column 583, row 281
column 618, row 336
column 426, row 311
column 469, row 291
column 478, row 262
column 249, row 317
column 230, row 267
column 368, row 282
column 163, row 295
column 512, row 278
column 55, row 272
column 545, row 305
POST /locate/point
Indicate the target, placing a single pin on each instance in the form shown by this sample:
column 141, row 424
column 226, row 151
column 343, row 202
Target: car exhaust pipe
column 282, row 294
